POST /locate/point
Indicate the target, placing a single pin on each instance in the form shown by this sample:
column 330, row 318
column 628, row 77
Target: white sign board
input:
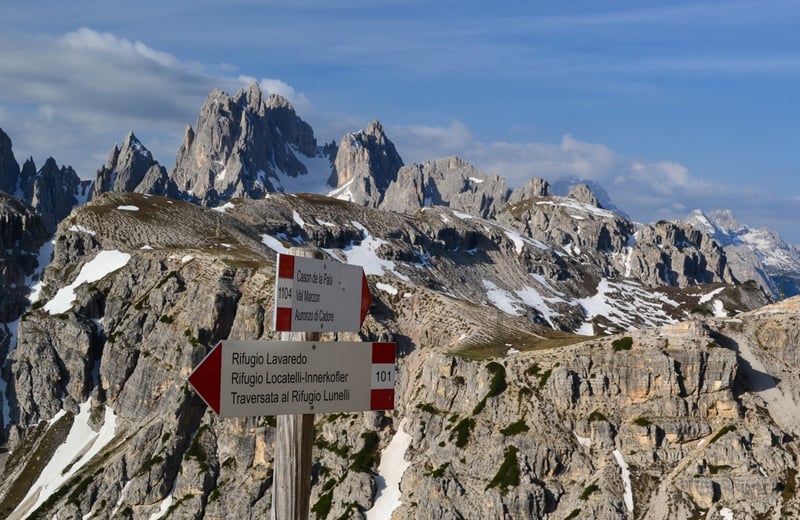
column 252, row 378
column 313, row 295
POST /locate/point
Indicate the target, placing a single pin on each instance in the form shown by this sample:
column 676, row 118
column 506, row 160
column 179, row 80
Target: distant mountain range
column 754, row 254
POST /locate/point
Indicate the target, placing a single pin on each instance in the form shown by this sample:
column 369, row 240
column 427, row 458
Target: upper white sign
column 313, row 295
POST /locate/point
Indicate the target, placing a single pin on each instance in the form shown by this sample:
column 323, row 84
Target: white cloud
column 73, row 96
column 275, row 86
column 645, row 189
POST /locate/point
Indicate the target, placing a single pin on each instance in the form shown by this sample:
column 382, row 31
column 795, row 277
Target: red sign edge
column 206, row 378
column 366, row 297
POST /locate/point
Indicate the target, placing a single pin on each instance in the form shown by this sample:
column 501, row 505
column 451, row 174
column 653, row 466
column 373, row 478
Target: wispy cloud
column 645, row 189
column 75, row 95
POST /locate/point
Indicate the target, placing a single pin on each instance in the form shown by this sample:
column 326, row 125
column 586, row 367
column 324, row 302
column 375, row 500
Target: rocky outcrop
column 450, row 182
column 366, row 164
column 9, row 167
column 760, row 255
column 534, row 188
column 54, row 191
column 668, row 253
column 241, row 146
column 21, row 235
column 132, row 169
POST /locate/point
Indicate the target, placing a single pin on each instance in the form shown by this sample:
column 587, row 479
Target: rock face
column 242, row 146
column 753, row 254
column 366, row 164
column 21, row 235
column 52, row 191
column 9, row 168
column 450, row 182
column 677, row 254
column 540, row 429
column 534, row 188
column 132, row 169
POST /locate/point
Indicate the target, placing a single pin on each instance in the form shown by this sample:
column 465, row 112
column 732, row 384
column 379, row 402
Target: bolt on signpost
column 299, row 375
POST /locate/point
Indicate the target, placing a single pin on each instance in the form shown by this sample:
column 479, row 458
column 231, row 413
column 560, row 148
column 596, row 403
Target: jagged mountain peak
column 131, row 168
column 366, row 164
column 244, row 146
column 564, row 186
column 754, row 254
column 583, row 193
column 447, row 181
column 9, row 168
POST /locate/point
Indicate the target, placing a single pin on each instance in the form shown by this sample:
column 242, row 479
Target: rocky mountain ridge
column 754, row 254
column 507, row 417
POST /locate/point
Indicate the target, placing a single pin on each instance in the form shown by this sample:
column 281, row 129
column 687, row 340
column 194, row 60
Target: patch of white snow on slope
column 224, row 207
column 165, row 504
column 385, row 287
column 708, row 297
column 35, row 280
column 502, row 299
column 626, row 479
column 80, row 446
column 365, row 254
column 298, row 219
column 274, row 244
column 104, row 263
column 390, row 472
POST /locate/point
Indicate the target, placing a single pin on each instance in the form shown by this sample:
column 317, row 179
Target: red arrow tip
column 366, row 298
column 207, row 377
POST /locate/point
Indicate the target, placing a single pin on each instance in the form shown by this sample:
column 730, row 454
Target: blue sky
column 671, row 106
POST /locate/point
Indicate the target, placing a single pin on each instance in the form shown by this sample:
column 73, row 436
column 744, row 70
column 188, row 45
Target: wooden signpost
column 299, row 375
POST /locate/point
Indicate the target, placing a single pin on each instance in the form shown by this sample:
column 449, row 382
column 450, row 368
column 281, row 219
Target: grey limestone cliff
column 132, row 168
column 240, row 147
column 366, row 164
column 451, row 182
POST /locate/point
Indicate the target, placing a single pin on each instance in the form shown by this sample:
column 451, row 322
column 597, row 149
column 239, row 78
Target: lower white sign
column 252, row 378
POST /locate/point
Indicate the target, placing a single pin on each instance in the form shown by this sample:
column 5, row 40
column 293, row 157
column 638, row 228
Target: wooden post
column 291, row 486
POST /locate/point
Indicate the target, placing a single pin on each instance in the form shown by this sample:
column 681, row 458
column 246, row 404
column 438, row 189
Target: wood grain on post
column 291, row 487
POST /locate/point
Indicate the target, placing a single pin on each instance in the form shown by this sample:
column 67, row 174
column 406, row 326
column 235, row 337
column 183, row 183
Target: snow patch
column 186, row 259
column 165, row 504
column 517, row 239
column 626, row 480
column 390, row 472
column 619, row 301
column 104, row 263
column 502, row 299
column 583, row 441
column 77, row 228
column 80, row 446
column 274, row 244
column 298, row 219
column 128, row 208
column 224, row 207
column 343, row 192
column 385, row 287
column 365, row 254
column 35, row 280
column 719, row 310
column 708, row 297
column 726, row 513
